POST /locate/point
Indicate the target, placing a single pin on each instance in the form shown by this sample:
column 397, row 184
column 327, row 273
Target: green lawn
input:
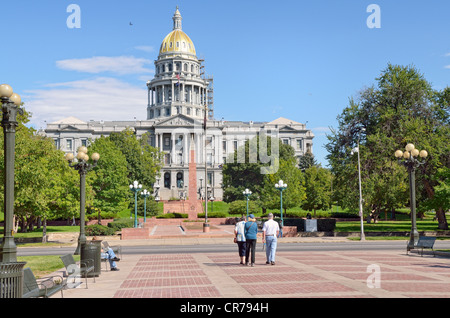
column 43, row 265
column 387, row 226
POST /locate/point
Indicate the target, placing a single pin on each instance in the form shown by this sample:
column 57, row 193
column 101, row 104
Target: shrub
column 119, row 224
column 213, row 215
column 239, row 207
column 172, row 215
column 96, row 229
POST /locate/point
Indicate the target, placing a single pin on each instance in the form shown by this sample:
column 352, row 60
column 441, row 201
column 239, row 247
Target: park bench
column 85, row 267
column 425, row 242
column 44, row 287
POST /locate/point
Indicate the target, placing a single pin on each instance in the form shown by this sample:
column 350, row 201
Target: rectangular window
column 210, row 178
column 167, row 159
column 235, row 144
column 69, row 144
column 224, row 146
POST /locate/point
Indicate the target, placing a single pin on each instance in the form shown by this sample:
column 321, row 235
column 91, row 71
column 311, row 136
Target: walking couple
column 246, row 234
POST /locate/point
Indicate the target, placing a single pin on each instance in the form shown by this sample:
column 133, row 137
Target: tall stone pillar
column 194, row 205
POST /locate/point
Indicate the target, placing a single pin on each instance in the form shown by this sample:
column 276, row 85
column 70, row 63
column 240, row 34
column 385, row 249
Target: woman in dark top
column 250, row 230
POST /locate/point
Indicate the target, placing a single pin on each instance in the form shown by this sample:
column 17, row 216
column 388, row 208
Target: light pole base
column 205, row 227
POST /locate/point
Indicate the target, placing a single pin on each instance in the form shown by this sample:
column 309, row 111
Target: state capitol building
column 180, row 101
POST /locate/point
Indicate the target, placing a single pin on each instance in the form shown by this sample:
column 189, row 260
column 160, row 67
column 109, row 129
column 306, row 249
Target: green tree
column 143, row 160
column 306, row 161
column 295, row 191
column 317, row 188
column 109, row 179
column 244, row 169
column 401, row 108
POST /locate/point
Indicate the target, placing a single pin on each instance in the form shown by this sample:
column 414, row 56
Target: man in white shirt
column 271, row 229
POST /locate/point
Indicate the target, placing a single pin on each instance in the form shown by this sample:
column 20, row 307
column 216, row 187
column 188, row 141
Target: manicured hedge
column 213, row 215
column 173, row 215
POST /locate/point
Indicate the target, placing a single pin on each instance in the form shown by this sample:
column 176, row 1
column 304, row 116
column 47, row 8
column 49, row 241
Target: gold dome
column 177, row 42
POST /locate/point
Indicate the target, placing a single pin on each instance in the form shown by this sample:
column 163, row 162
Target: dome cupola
column 177, row 42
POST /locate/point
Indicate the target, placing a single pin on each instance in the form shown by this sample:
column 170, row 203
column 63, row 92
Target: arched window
column 180, row 181
column 167, row 180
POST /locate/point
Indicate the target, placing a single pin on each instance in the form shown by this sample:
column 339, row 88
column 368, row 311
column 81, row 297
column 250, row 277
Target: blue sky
column 301, row 60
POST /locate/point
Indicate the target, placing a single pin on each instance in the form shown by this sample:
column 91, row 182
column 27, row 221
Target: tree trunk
column 440, row 213
column 442, row 220
column 44, row 231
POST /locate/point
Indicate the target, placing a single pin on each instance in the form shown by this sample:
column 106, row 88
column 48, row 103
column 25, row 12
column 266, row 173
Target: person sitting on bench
column 109, row 254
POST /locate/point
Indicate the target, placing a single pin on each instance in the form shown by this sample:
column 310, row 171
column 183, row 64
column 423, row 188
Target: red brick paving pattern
column 296, row 274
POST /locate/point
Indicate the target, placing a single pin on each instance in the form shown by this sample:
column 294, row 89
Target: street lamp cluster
column 411, row 162
column 10, row 107
column 281, row 186
column 136, row 187
column 82, row 165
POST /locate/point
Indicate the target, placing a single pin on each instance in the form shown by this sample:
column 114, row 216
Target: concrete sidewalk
column 336, row 274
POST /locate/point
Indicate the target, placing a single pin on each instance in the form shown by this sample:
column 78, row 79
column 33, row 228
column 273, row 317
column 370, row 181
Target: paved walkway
column 306, row 274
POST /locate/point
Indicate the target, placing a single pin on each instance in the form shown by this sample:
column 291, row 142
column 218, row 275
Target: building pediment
column 287, row 129
column 179, row 120
column 69, row 128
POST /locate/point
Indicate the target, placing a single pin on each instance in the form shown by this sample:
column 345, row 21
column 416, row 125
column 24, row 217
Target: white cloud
column 145, row 48
column 117, row 64
column 101, row 98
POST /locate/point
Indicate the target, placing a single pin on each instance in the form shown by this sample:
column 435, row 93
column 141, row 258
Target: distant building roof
column 284, row 121
column 69, row 120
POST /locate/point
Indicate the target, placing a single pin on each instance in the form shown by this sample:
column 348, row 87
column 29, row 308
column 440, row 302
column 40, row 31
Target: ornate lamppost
column 246, row 194
column 82, row 166
column 411, row 162
column 145, row 194
column 10, row 107
column 135, row 187
column 281, row 186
